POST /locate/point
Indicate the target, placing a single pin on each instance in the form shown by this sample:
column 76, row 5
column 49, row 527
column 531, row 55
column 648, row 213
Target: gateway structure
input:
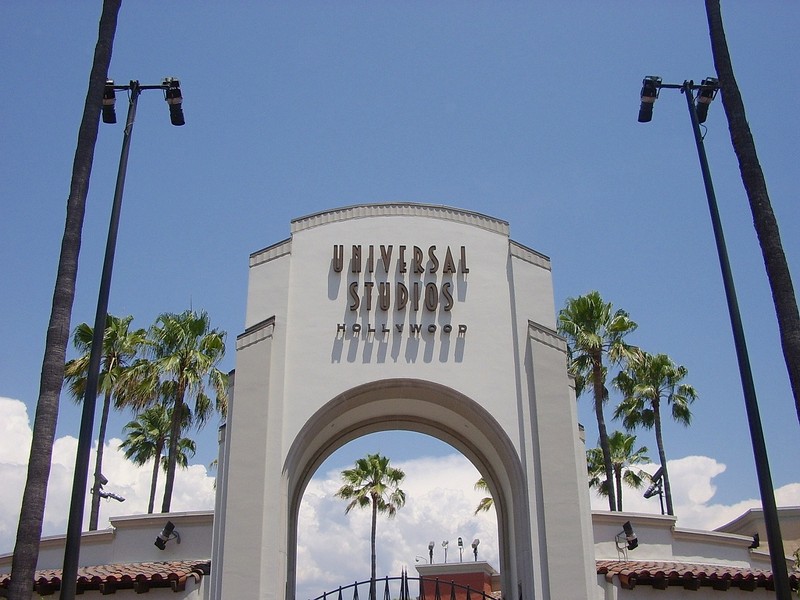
column 412, row 317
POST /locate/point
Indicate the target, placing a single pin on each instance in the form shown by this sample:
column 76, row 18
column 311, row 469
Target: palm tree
column 147, row 436
column 649, row 380
column 184, row 354
column 623, row 458
column 120, row 346
column 594, row 331
column 29, row 528
column 486, row 502
column 764, row 220
column 373, row 483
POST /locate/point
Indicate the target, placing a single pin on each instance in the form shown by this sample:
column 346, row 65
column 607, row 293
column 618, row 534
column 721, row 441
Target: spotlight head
column 172, row 94
column 650, row 87
column 755, row 543
column 475, row 542
column 445, row 543
column 109, row 99
column 111, row 496
column 630, row 536
column 101, row 479
column 431, row 545
column 651, row 491
column 706, row 93
column 460, row 543
column 166, row 534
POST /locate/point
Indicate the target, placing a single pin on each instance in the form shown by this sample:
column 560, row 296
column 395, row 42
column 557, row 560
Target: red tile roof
column 141, row 577
column 690, row 576
column 107, row 579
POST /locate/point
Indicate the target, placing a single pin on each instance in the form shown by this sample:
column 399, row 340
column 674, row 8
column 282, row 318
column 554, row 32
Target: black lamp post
column 698, row 111
column 171, row 87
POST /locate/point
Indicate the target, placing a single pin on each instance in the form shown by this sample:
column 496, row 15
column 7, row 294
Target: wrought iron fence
column 398, row 588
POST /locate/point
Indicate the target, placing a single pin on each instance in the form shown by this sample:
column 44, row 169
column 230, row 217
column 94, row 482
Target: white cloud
column 693, row 490
column 440, row 500
column 193, row 486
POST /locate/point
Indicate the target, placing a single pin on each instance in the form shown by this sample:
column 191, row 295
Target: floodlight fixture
column 475, row 543
column 460, row 550
column 706, row 93
column 431, row 544
column 755, row 543
column 631, row 541
column 173, row 96
column 110, row 496
column 109, row 99
column 445, row 543
column 656, row 487
column 167, row 534
column 650, row 86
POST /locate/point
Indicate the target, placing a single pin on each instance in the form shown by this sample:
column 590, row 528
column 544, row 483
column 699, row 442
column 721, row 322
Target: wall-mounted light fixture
column 626, row 539
column 755, row 543
column 167, row 534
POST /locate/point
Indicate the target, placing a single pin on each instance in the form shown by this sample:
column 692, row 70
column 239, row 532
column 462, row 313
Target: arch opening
column 333, row 548
column 425, row 408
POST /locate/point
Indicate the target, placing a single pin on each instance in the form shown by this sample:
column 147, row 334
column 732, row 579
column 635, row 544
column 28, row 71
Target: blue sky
column 525, row 111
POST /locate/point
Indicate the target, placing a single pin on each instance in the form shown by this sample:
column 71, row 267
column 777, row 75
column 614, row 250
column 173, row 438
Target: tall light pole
column 698, row 110
column 172, row 94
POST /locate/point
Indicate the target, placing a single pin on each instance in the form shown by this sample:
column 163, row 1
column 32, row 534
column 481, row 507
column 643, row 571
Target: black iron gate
column 398, row 588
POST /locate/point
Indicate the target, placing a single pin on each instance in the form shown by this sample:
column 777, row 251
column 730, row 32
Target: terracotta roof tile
column 141, row 577
column 107, row 579
column 691, row 576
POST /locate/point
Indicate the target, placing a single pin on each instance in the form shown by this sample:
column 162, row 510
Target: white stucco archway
column 423, row 407
column 403, row 316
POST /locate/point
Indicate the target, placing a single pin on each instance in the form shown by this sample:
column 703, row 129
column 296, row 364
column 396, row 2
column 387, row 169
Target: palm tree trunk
column 172, row 455
column 154, row 478
column 29, row 530
column 662, row 457
column 372, row 547
column 766, row 225
column 94, row 515
column 597, row 377
column 618, row 481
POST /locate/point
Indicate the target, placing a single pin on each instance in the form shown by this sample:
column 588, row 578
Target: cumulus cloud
column 194, row 487
column 693, row 489
column 440, row 501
